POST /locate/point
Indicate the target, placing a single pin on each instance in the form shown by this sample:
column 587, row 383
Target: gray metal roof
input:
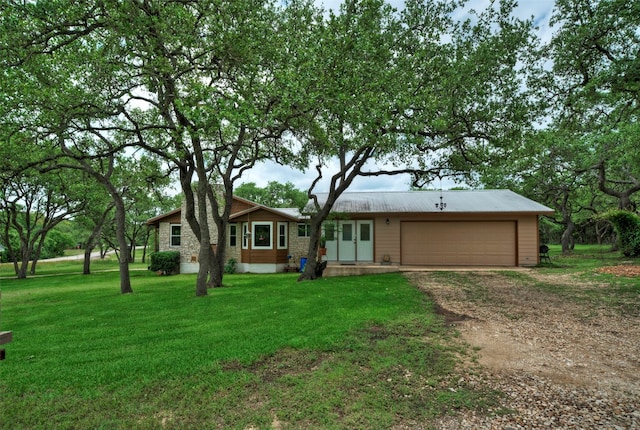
column 425, row 201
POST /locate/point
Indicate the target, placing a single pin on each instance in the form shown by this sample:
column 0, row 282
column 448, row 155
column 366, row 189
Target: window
column 261, row 232
column 245, row 235
column 365, row 232
column 282, row 235
column 233, row 235
column 304, row 230
column 347, row 232
column 330, row 232
column 174, row 239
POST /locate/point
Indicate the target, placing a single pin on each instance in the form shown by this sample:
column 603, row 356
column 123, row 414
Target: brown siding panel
column 528, row 242
column 387, row 239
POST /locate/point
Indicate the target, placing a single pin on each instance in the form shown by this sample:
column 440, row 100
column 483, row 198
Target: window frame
column 283, row 235
column 306, row 229
column 254, row 236
column 233, row 235
column 172, row 236
column 245, row 235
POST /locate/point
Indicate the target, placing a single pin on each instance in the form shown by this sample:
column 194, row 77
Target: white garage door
column 450, row 243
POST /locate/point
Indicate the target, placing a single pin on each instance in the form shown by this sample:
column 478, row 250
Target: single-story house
column 413, row 228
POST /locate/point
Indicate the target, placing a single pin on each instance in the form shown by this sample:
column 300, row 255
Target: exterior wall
column 387, row 236
column 387, row 239
column 298, row 246
column 164, row 233
column 528, row 240
column 248, row 260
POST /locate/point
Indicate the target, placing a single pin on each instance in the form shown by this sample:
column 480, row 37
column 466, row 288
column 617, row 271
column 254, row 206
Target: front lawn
column 263, row 352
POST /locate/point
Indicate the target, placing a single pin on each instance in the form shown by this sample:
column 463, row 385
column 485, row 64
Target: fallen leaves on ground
column 621, row 270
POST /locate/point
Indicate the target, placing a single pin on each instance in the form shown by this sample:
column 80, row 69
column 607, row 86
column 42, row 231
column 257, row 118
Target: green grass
column 264, row 352
column 360, row 352
column 591, row 286
column 46, row 268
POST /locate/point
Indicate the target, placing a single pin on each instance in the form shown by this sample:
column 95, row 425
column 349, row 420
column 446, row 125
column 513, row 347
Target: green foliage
column 166, row 262
column 627, row 225
column 274, row 195
column 55, row 244
column 230, row 267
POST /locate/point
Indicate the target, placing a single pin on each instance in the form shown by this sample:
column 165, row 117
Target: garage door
column 473, row 243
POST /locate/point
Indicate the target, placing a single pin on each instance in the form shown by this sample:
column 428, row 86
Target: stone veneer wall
column 164, row 237
column 298, row 246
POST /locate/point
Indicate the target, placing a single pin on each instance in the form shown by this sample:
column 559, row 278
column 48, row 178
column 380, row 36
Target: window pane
column 365, row 232
column 233, row 235
column 347, row 232
column 330, row 232
column 263, row 235
column 175, row 235
column 303, row 230
column 282, row 235
column 245, row 235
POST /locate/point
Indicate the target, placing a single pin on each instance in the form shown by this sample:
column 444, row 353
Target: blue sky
column 261, row 174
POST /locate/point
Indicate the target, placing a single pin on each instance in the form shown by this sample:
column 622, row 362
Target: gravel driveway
column 561, row 363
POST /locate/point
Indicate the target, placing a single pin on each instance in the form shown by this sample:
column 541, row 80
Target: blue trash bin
column 303, row 262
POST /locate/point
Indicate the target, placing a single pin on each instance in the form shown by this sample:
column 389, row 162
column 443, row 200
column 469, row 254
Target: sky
column 263, row 173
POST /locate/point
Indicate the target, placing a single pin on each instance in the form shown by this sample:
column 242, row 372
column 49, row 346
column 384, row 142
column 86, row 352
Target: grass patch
column 590, row 286
column 266, row 351
column 48, row 268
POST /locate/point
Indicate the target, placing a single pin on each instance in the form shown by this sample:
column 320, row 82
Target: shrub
column 166, row 262
column 230, row 267
column 627, row 226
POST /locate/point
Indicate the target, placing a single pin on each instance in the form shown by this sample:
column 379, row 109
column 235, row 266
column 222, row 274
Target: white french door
column 349, row 241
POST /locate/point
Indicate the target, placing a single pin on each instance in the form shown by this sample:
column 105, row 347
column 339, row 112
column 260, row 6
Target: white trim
column 256, row 224
column 285, row 226
column 245, row 236
column 235, row 226
column 260, row 267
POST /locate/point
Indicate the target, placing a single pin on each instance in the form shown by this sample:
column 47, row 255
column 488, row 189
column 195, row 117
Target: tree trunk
column 216, row 272
column 26, row 251
column 310, row 272
column 567, row 238
column 123, row 260
column 86, row 266
column 90, row 245
column 37, row 253
column 205, row 239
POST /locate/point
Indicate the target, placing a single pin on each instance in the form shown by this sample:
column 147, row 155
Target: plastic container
column 303, row 262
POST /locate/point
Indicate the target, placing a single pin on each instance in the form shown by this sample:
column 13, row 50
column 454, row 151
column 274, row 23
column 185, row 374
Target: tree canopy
column 134, row 95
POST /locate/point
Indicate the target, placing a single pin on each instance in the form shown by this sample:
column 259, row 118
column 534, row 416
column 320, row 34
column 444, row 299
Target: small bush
column 627, row 226
column 166, row 262
column 230, row 267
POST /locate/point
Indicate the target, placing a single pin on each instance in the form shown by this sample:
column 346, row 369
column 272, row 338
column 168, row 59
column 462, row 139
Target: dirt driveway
column 562, row 363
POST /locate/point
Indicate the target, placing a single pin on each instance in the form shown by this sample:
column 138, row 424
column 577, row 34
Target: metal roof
column 458, row 201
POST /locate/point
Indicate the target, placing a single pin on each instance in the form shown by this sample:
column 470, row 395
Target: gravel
column 560, row 363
